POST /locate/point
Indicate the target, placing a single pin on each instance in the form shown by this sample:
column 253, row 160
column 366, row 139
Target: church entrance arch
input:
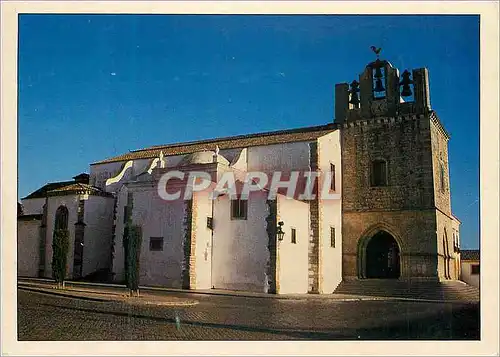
column 380, row 257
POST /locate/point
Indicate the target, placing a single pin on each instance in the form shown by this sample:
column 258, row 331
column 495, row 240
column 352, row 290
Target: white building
column 387, row 156
column 469, row 272
column 200, row 243
column 85, row 211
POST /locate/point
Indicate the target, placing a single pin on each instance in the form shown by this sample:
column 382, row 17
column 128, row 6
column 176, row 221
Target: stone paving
column 49, row 317
column 108, row 294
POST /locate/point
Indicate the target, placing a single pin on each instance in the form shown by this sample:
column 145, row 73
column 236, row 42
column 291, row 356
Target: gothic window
column 332, row 172
column 239, row 209
column 61, row 220
column 379, row 173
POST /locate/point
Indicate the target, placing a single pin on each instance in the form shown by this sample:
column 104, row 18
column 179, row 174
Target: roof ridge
column 230, row 142
column 241, row 136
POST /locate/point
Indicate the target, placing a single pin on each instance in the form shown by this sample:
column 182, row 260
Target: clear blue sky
column 94, row 86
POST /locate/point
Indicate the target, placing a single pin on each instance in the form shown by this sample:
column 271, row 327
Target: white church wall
column 202, row 208
column 292, row 263
column 98, row 218
column 330, row 215
column 71, row 203
column 240, row 253
column 101, row 172
column 159, row 218
column 28, row 247
column 33, row 205
column 279, row 157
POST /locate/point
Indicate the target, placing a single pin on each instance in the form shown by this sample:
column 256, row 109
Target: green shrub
column 60, row 248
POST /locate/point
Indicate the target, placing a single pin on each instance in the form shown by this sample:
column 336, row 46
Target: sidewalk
column 159, row 295
column 114, row 292
column 94, row 292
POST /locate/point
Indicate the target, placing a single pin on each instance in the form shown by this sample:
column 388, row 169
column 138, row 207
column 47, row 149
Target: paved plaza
column 44, row 316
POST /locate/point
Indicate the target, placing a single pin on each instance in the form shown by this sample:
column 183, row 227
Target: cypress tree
column 60, row 248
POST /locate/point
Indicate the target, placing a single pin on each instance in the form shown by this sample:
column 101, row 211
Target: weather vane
column 376, row 50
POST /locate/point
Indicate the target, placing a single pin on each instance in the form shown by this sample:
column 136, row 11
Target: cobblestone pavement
column 47, row 317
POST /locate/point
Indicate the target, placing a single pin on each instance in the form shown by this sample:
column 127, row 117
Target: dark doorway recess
column 382, row 257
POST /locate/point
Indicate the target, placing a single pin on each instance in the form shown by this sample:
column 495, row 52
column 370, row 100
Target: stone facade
column 411, row 199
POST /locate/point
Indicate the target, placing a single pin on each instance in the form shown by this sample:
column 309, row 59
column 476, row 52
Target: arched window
column 379, row 173
column 61, row 220
column 378, row 76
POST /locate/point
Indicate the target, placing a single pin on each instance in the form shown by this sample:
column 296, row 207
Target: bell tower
column 396, row 210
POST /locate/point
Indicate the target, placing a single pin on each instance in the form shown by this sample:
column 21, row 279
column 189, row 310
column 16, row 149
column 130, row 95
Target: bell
column 354, row 99
column 379, row 87
column 378, row 73
column 406, row 92
column 405, row 83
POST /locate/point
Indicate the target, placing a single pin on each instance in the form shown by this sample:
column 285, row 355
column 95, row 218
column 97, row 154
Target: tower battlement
column 381, row 91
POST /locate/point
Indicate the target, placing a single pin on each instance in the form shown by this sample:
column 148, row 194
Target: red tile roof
column 66, row 188
column 267, row 138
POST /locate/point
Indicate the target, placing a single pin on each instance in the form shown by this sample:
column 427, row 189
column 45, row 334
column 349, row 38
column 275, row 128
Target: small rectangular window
column 239, row 209
column 156, row 243
column 294, row 236
column 379, row 173
column 474, row 269
column 332, row 171
column 332, row 237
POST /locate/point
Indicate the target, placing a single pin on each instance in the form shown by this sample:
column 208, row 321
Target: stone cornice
column 435, row 119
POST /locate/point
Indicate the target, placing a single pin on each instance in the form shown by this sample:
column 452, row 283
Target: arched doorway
column 382, row 257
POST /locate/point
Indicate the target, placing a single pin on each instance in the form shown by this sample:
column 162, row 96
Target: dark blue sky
column 94, row 86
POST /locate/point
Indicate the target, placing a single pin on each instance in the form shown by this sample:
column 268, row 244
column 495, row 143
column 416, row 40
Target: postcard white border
column 489, row 149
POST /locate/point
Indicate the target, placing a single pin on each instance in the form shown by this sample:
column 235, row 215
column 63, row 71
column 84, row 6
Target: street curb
column 63, row 294
column 122, row 299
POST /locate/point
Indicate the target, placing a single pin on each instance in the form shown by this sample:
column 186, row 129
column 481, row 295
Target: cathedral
column 386, row 154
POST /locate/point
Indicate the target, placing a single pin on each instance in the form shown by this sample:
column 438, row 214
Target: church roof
column 42, row 191
column 472, row 254
column 65, row 188
column 232, row 142
column 77, row 188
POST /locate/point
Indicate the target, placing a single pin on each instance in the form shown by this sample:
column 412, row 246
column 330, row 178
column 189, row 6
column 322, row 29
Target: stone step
column 448, row 290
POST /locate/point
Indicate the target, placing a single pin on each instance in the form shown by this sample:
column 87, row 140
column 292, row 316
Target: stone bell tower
column 397, row 220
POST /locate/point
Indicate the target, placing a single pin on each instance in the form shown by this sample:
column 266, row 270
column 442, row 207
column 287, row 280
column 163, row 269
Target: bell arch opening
column 380, row 257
